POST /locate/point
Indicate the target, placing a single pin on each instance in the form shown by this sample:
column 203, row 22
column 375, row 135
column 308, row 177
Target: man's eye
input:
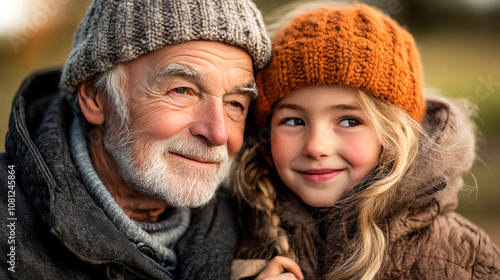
column 180, row 90
column 349, row 122
column 236, row 105
column 292, row 121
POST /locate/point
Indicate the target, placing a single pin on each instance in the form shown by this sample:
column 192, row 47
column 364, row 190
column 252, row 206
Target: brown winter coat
column 425, row 238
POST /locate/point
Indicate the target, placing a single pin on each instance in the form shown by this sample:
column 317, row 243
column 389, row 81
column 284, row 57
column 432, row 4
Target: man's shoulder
column 42, row 79
column 7, row 180
column 4, row 163
column 13, row 202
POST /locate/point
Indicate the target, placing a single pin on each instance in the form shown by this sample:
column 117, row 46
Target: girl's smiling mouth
column 319, row 175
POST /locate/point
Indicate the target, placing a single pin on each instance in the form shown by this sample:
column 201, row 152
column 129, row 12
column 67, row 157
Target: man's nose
column 210, row 123
column 318, row 143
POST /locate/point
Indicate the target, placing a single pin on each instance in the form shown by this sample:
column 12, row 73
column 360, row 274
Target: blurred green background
column 459, row 41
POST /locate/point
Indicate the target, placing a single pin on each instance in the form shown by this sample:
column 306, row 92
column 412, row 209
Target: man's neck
column 137, row 205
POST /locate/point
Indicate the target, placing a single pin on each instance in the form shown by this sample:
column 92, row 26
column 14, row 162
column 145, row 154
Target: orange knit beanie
column 357, row 46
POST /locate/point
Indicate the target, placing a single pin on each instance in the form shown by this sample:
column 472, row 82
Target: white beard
column 151, row 168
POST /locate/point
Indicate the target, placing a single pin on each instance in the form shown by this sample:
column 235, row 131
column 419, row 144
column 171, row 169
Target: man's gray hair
column 111, row 83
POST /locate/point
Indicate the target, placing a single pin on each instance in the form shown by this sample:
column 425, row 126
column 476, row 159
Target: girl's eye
column 349, row 122
column 292, row 121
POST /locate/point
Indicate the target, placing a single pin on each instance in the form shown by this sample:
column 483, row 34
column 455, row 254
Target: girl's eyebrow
column 345, row 107
column 289, row 106
column 338, row 107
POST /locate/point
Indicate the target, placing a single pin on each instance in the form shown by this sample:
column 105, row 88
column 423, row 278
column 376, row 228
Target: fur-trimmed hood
column 431, row 185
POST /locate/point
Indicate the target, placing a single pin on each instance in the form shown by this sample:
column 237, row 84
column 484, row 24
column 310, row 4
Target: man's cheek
column 235, row 138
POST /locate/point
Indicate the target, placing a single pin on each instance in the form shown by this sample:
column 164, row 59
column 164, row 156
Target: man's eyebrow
column 173, row 70
column 249, row 89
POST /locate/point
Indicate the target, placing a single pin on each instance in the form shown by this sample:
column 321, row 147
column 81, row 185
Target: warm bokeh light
column 12, row 13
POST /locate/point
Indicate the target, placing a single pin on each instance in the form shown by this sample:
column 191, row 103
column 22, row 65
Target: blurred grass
column 456, row 61
column 464, row 63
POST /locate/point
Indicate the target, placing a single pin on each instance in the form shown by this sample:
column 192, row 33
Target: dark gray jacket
column 52, row 228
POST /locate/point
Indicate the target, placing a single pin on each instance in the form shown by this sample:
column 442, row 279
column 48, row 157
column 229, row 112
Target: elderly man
column 113, row 174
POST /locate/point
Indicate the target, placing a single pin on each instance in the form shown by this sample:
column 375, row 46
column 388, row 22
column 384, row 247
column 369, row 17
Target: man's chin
column 182, row 197
column 192, row 204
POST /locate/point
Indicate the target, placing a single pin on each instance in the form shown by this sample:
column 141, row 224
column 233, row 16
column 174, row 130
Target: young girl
column 360, row 177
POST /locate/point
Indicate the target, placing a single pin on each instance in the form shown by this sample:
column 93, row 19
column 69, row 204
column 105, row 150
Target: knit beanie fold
column 117, row 31
column 358, row 46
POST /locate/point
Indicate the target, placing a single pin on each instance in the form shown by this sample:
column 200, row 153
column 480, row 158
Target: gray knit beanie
column 117, row 31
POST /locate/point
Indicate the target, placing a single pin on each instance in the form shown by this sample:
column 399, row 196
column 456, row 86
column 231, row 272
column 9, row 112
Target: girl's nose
column 319, row 143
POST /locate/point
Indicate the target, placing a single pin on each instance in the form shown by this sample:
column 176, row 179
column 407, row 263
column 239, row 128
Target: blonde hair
column 398, row 135
column 255, row 186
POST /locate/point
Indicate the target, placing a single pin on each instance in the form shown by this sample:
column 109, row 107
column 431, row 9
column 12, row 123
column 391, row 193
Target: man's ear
column 91, row 102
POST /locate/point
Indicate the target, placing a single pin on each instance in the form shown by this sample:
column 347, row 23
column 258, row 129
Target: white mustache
column 196, row 148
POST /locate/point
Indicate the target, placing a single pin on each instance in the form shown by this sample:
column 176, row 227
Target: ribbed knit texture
column 159, row 237
column 117, row 31
column 355, row 46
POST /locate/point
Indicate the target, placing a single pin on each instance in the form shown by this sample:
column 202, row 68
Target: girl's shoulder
column 450, row 247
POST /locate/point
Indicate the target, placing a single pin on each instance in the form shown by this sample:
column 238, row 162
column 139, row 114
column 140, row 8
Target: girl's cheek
column 280, row 148
column 363, row 152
